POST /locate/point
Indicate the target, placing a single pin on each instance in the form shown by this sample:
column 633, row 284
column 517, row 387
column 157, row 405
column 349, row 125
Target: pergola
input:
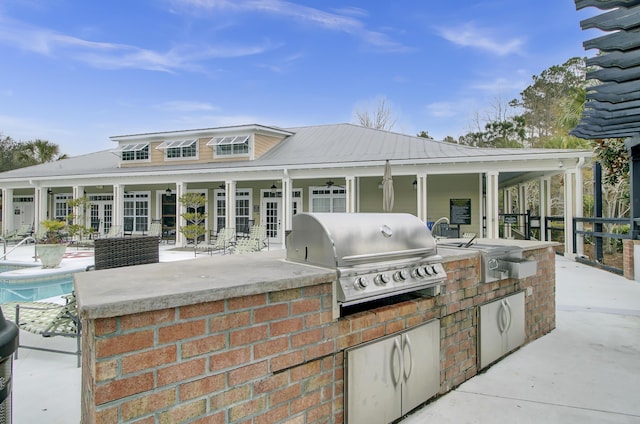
column 612, row 107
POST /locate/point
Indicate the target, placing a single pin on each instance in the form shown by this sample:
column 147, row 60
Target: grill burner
column 376, row 255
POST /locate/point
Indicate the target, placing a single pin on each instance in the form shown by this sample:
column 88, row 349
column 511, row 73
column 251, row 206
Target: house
column 269, row 174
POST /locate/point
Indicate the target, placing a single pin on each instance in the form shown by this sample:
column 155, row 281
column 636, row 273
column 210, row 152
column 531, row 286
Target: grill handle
column 387, row 255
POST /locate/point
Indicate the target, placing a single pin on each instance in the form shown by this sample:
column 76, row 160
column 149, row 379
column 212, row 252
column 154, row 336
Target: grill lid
column 351, row 239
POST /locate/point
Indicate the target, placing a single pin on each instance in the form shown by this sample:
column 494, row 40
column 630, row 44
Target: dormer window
column 177, row 149
column 133, row 152
column 230, row 145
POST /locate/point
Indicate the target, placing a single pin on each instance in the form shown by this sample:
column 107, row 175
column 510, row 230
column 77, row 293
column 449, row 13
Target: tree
column 39, row 151
column 424, row 134
column 193, row 203
column 546, row 100
column 381, row 119
column 8, row 153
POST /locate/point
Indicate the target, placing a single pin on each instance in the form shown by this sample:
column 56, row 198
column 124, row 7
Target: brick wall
column 628, row 269
column 277, row 357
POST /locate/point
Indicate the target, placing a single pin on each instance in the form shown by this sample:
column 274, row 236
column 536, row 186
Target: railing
column 23, row 241
column 598, row 236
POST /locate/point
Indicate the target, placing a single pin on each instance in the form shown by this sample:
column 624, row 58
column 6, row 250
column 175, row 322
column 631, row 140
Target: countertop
column 142, row 288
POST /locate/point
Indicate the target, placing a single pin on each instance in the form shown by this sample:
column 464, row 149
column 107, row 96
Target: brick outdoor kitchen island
column 254, row 338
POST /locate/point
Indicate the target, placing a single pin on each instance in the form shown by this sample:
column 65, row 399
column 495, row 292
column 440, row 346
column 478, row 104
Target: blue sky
column 76, row 72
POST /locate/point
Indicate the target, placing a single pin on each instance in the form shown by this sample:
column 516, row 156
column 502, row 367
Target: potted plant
column 52, row 248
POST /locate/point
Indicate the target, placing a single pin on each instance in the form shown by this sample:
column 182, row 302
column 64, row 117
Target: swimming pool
column 27, row 288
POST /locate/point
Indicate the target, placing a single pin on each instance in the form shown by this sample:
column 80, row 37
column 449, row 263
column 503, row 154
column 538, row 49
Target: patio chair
column 20, row 233
column 47, row 319
column 256, row 241
column 223, row 240
column 128, row 226
column 155, row 230
column 114, row 231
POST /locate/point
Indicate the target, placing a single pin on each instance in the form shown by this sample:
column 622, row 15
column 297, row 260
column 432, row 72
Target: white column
column 492, row 204
column 350, row 187
column 287, row 203
column 118, row 211
column 230, row 200
column 181, row 189
column 569, row 205
column 543, row 184
column 40, row 205
column 579, row 209
column 78, row 192
column 7, row 210
column 507, row 200
column 421, row 196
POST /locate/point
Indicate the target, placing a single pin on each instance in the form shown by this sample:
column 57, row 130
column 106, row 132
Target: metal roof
column 612, row 107
column 327, row 146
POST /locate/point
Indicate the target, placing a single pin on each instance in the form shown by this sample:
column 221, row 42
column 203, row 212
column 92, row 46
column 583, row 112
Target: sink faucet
column 438, row 222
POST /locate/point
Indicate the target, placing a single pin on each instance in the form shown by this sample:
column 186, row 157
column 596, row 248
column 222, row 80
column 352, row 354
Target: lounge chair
column 114, row 231
column 47, row 319
column 19, row 234
column 156, row 230
column 223, row 240
column 256, row 241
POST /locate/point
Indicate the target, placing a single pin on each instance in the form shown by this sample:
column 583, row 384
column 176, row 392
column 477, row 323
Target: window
column 130, row 152
column 328, row 199
column 61, row 209
column 136, row 206
column 230, row 145
column 177, row 149
column 243, row 209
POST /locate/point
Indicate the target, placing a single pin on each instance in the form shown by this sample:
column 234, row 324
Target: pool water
column 31, row 289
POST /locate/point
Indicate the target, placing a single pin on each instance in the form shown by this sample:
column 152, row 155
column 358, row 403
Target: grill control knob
column 401, row 275
column 434, row 269
column 381, row 279
column 419, row 272
column 361, row 283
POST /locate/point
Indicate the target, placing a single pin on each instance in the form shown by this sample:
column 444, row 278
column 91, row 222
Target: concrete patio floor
column 585, row 371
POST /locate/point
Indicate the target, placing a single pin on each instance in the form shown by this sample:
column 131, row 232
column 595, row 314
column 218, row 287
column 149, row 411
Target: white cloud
column 468, row 35
column 343, row 20
column 105, row 55
column 186, row 106
column 499, row 85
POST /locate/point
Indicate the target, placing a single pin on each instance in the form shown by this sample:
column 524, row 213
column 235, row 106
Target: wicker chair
column 47, row 319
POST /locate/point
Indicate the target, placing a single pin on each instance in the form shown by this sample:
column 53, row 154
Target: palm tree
column 39, row 151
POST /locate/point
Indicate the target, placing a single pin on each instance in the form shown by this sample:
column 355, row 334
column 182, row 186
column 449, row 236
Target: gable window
column 230, row 145
column 177, row 149
column 328, row 199
column 130, row 152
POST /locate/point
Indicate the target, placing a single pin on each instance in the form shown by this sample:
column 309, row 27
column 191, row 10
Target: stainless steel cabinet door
column 373, row 386
column 502, row 327
column 421, row 364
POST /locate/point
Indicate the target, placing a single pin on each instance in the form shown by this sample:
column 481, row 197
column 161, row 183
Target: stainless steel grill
column 376, row 255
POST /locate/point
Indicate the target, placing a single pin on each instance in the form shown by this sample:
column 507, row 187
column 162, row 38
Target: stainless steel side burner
column 498, row 262
column 376, row 255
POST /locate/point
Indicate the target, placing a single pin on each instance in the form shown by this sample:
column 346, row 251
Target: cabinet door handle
column 508, row 314
column 406, row 344
column 502, row 318
column 396, row 353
